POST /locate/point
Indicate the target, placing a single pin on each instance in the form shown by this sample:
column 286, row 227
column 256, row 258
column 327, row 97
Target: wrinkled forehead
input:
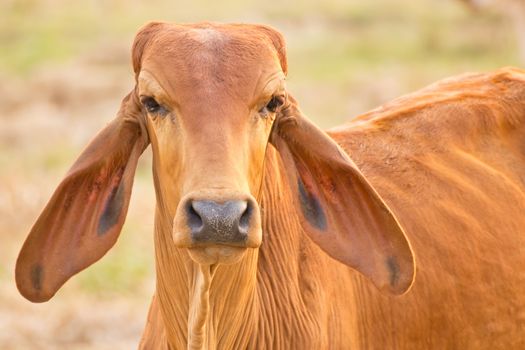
column 237, row 60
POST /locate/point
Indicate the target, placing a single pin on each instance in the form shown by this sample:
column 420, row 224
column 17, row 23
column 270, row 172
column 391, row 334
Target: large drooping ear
column 278, row 42
column 338, row 208
column 85, row 215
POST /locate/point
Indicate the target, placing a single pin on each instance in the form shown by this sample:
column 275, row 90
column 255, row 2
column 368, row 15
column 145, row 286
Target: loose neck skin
column 205, row 307
column 239, row 305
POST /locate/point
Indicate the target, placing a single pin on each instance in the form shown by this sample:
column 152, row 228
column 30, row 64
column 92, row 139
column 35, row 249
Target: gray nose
column 219, row 223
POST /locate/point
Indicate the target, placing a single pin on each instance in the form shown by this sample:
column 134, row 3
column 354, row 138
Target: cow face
column 210, row 95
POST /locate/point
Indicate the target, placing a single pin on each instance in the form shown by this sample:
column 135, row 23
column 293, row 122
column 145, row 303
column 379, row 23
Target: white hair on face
column 207, row 35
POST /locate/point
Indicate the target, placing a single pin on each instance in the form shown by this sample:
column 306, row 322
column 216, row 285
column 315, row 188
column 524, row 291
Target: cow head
column 210, row 99
column 210, row 94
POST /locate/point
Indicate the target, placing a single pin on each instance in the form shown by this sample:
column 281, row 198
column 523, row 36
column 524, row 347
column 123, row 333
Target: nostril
column 226, row 222
column 244, row 221
column 194, row 219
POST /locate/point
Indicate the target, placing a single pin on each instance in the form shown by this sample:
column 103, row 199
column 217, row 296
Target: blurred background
column 64, row 66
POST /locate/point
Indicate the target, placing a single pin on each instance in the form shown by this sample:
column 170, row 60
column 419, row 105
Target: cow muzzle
column 217, row 227
column 219, row 223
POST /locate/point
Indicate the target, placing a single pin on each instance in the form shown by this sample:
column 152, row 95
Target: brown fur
column 446, row 161
column 449, row 161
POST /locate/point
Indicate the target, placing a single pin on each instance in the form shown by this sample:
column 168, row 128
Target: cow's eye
column 152, row 106
column 275, row 103
column 272, row 106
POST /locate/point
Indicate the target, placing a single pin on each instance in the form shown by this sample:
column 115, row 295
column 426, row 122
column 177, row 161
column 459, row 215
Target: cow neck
column 239, row 305
column 285, row 288
column 205, row 307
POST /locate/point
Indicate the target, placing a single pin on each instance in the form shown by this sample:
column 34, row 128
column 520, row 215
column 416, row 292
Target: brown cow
column 235, row 162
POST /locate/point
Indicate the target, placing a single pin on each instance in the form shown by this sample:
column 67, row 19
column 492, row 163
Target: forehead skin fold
column 204, row 59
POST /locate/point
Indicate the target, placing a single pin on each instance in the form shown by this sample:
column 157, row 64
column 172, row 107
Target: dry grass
column 64, row 68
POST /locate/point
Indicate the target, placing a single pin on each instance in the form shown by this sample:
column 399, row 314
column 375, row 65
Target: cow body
column 432, row 181
column 449, row 161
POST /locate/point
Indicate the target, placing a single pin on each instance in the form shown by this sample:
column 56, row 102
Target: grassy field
column 64, row 66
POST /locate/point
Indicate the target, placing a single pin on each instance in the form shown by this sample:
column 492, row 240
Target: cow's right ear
column 85, row 215
column 339, row 209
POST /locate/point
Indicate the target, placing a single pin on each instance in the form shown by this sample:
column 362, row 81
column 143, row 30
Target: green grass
column 122, row 271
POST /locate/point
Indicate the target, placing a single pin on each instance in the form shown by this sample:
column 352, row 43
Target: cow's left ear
column 85, row 215
column 338, row 208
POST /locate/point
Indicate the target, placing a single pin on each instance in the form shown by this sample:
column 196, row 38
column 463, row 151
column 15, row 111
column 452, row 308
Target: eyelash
column 152, row 106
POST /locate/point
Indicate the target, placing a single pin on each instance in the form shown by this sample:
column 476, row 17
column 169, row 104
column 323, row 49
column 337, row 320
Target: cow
column 271, row 233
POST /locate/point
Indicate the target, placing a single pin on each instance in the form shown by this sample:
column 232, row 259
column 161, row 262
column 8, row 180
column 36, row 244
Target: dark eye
column 275, row 103
column 152, row 106
column 272, row 106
